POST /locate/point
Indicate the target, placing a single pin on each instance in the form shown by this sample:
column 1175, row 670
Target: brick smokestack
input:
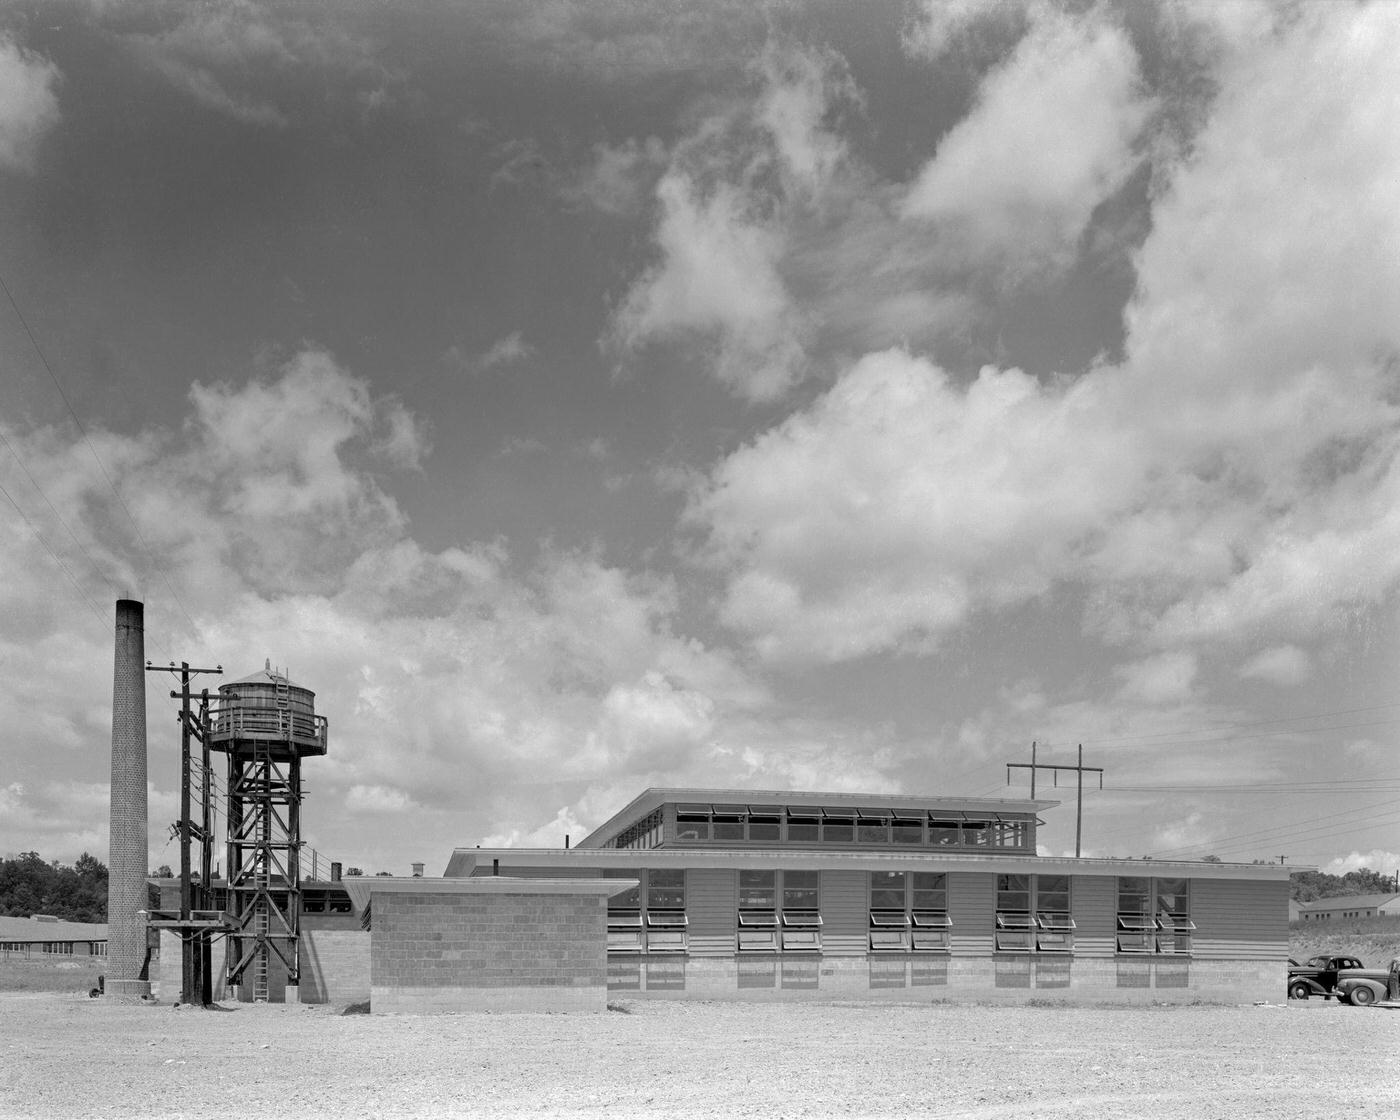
column 126, row 864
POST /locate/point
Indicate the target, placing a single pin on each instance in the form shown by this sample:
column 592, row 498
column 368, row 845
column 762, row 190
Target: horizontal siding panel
column 1094, row 899
column 1239, row 918
column 711, row 907
column 972, row 900
column 845, row 912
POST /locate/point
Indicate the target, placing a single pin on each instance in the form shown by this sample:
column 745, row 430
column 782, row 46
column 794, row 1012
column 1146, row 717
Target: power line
column 58, row 516
column 1279, row 833
column 1171, row 736
column 1337, row 785
column 56, row 558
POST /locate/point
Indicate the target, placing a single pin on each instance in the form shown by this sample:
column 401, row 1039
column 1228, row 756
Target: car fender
column 1346, row 987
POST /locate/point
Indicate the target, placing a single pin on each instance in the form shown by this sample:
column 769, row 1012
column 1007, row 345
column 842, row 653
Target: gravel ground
column 68, row 1056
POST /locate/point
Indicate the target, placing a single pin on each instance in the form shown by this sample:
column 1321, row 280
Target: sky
column 580, row 397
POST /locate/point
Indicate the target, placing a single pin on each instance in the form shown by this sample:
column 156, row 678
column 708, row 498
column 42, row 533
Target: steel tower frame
column 263, row 876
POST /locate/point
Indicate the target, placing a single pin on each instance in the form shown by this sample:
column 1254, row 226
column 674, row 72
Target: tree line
column 30, row 885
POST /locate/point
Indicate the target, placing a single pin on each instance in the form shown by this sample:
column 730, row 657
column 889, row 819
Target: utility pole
column 1055, row 769
column 195, row 980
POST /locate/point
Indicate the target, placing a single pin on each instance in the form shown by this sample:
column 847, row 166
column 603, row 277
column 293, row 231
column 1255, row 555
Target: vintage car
column 1317, row 976
column 1364, row 986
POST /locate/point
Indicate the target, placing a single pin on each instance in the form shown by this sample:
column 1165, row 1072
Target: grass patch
column 361, row 1008
column 1375, row 940
column 33, row 974
column 620, row 1008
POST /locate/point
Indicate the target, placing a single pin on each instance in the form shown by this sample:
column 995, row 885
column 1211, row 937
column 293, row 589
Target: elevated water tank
column 267, row 710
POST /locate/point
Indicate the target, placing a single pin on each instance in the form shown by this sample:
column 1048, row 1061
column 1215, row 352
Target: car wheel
column 1361, row 996
column 1298, row 991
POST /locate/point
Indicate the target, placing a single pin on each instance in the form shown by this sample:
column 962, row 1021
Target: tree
column 29, row 885
column 354, row 871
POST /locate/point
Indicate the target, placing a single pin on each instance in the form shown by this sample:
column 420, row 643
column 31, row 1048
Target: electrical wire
column 56, row 558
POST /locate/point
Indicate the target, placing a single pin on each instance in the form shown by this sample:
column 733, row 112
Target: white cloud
column 1051, row 136
column 1166, row 678
column 460, row 687
column 801, row 91
column 1377, row 859
column 619, row 178
column 718, row 278
column 1179, row 491
column 895, row 505
column 508, row 350
column 936, row 24
column 736, row 187
column 28, row 104
column 378, row 799
column 1281, row 665
column 220, row 56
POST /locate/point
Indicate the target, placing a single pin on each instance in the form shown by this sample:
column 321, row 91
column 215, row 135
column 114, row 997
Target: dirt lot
column 68, row 1056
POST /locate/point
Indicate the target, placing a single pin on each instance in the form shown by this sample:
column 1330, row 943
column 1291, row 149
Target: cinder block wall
column 488, row 952
column 334, row 966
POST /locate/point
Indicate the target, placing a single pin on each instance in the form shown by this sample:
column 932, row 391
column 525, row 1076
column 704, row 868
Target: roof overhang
column 467, row 862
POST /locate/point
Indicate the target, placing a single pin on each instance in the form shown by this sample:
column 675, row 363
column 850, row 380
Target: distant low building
column 1350, row 906
column 45, row 935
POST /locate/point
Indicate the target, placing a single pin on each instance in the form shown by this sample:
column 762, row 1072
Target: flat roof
column 620, row 860
column 362, row 888
column 649, row 800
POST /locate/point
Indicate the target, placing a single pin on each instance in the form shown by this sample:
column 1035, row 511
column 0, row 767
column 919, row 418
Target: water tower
column 266, row 725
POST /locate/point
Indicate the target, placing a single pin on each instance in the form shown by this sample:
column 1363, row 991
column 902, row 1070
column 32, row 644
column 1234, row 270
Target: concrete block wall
column 534, row 951
column 335, row 966
column 1002, row 978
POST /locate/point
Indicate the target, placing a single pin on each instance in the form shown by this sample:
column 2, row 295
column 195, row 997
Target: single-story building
column 46, row 935
column 728, row 894
column 765, row 894
column 1350, row 906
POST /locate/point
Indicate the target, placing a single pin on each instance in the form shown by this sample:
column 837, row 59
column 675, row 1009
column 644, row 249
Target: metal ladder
column 263, row 766
column 284, row 703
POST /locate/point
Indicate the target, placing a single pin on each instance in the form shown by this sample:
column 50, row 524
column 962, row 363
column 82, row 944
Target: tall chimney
column 126, row 889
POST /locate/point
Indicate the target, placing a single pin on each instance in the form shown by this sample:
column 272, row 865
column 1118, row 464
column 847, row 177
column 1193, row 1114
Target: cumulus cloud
column 1051, row 136
column 221, row 55
column 1176, row 489
column 1281, row 665
column 461, row 685
column 618, row 178
column 937, row 24
column 718, row 279
column 1163, row 679
column 507, row 350
column 882, row 515
column 726, row 205
column 28, row 104
column 1377, row 859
